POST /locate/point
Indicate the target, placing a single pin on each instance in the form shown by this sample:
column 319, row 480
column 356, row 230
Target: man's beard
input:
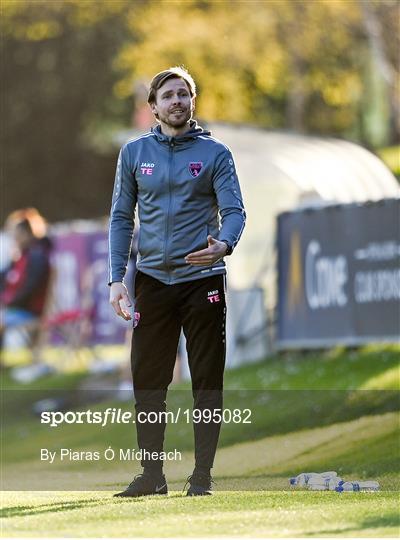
column 178, row 122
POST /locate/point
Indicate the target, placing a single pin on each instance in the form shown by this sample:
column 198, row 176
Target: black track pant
column 161, row 311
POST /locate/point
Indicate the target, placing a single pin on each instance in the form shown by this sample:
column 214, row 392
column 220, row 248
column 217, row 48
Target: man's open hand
column 119, row 299
column 206, row 257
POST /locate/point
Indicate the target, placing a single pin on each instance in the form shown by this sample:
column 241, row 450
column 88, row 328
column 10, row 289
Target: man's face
column 174, row 106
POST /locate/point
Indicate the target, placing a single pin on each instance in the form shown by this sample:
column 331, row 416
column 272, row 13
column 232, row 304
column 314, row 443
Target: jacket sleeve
column 229, row 199
column 122, row 217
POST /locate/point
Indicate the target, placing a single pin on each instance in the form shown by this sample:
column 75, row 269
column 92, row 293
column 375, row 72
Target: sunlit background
column 304, row 92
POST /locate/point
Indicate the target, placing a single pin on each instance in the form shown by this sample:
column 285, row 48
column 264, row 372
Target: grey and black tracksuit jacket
column 185, row 188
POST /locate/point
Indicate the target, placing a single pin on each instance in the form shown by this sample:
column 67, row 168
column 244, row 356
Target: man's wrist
column 228, row 247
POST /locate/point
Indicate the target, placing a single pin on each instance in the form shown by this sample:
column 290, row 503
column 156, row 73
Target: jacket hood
column 195, row 131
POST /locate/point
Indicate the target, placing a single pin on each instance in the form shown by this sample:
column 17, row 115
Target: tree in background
column 326, row 67
column 381, row 104
column 58, row 76
column 298, row 65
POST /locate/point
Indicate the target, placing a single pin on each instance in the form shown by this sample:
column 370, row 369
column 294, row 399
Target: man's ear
column 193, row 103
column 153, row 107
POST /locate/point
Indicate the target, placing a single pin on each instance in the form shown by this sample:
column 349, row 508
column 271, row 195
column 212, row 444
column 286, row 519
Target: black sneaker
column 200, row 484
column 145, row 484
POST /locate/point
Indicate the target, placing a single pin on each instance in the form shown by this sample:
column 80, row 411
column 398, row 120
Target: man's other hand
column 119, row 299
column 206, row 257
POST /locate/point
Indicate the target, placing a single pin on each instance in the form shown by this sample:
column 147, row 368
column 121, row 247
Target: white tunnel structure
column 282, row 171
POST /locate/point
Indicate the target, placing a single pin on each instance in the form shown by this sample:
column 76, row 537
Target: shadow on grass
column 390, row 520
column 373, row 522
column 149, row 498
column 61, row 506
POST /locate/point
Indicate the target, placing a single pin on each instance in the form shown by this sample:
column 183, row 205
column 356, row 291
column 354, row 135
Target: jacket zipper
column 170, row 157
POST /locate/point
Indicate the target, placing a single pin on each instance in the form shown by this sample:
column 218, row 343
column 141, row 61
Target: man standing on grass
column 191, row 216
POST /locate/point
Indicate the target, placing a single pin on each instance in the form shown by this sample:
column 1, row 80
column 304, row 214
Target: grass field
column 336, row 410
column 241, row 514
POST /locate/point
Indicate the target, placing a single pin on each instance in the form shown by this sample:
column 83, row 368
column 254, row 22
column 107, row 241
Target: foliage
column 391, row 156
column 272, row 64
column 325, row 66
column 59, row 80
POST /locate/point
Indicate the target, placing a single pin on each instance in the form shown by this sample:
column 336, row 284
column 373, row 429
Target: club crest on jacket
column 195, row 168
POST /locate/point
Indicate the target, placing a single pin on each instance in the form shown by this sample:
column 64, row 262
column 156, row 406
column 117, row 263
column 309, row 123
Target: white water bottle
column 323, row 483
column 303, row 478
column 369, row 485
column 334, row 483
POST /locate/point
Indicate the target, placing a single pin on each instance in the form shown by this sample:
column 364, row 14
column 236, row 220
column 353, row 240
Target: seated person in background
column 24, row 284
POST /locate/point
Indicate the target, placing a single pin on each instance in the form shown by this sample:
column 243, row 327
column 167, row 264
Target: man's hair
column 176, row 72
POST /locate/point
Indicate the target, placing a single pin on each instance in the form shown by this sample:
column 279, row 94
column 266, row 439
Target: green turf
column 291, row 392
column 319, row 411
column 239, row 514
column 374, row 367
column 364, row 448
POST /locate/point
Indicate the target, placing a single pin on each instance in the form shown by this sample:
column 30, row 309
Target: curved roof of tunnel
column 332, row 169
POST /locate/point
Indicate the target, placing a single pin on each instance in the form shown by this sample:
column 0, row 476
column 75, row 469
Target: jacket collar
column 195, row 131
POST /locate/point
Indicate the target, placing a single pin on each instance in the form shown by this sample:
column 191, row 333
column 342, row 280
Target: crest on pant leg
column 136, row 319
